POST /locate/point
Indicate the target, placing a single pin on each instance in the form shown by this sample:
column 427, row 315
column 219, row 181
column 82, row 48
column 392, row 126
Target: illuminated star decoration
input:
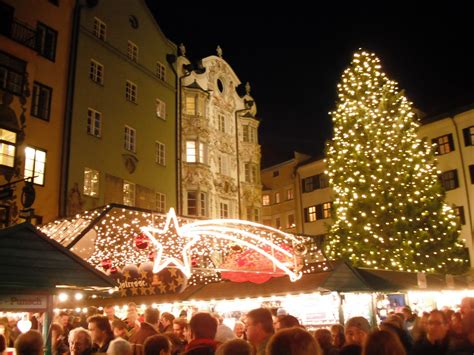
column 170, row 241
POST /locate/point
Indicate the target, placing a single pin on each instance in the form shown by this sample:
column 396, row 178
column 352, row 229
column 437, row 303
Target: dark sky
column 293, row 57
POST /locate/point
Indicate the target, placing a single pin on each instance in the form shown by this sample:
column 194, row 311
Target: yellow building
column 34, row 56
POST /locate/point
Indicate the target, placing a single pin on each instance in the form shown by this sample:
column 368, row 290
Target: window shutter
column 319, row 212
column 467, row 137
column 306, row 218
column 471, row 172
column 316, row 182
column 455, row 175
column 303, row 185
column 451, row 142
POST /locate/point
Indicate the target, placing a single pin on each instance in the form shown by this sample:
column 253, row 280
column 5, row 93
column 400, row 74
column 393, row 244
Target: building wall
column 106, row 154
column 45, row 134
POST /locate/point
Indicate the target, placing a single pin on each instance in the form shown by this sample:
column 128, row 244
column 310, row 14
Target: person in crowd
column 109, row 312
column 202, row 331
column 80, row 341
column 177, row 345
column 5, row 330
column 133, row 325
column 395, row 325
column 166, row 322
column 293, row 341
column 436, row 341
column 419, row 328
column 235, row 347
column 288, row 321
column 350, row 349
column 180, row 328
column 101, row 333
column 65, row 324
column 3, row 343
column 58, row 341
column 119, row 328
column 157, row 345
column 239, row 330
column 324, row 339
column 276, row 322
column 463, row 343
column 119, row 346
column 224, row 333
column 356, row 331
column 338, row 337
column 259, row 329
column 382, row 342
column 456, row 325
column 29, row 343
column 467, row 305
column 409, row 318
column 148, row 328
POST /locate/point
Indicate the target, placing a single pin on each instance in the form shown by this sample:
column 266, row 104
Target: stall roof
column 29, row 260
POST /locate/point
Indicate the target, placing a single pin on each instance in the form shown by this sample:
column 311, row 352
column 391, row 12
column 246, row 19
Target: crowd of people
column 259, row 332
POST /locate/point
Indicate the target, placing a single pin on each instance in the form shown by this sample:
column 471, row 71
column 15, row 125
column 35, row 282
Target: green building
column 121, row 131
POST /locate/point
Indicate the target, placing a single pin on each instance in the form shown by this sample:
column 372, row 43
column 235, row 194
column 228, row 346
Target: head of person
column 324, row 338
column 438, row 326
column 467, row 305
column 337, row 335
column 99, row 328
column 132, row 307
column 56, row 333
column 259, row 325
column 406, row 311
column 293, row 341
column 382, row 342
column 119, row 346
column 180, row 327
column 64, row 318
column 235, row 347
column 239, row 329
column 29, row 343
column 80, row 341
column 356, row 330
column 456, row 323
column 166, row 320
column 152, row 315
column 157, row 345
column 202, row 326
column 119, row 328
column 109, row 312
column 289, row 321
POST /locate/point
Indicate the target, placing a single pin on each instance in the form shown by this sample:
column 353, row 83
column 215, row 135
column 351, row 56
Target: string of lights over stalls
column 116, row 236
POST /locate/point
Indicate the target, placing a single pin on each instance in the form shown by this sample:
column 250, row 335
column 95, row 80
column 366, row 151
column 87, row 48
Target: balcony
column 20, row 32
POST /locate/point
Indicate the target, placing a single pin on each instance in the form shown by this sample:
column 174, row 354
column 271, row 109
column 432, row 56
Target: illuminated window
column 129, row 138
column 96, row 72
column 266, row 200
column 41, row 101
column 94, row 122
column 291, row 221
column 326, row 213
column 196, row 152
column 132, row 51
column 444, row 144
column 290, row 194
column 449, row 180
column 7, row 147
column 160, row 153
column 277, row 197
column 100, row 29
column 91, row 182
column 459, row 212
column 128, row 193
column 160, row 205
column 131, row 91
column 317, row 212
column 192, row 105
column 310, row 214
column 160, row 109
column 35, row 162
column 160, row 71
column 250, row 170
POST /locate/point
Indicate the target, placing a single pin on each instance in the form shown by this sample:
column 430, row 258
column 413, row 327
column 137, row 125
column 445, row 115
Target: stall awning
column 29, row 260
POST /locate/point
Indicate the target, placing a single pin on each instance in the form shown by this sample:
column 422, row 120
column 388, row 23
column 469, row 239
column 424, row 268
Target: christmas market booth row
column 231, row 266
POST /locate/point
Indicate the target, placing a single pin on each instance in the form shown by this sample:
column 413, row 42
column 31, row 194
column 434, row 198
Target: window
column 131, row 91
column 46, row 39
column 96, row 72
column 290, row 194
column 449, row 179
column 224, row 210
column 249, row 134
column 266, row 200
column 94, row 122
column 41, row 101
column 310, row 214
column 326, row 210
column 221, row 123
column 267, row 222
column 160, row 109
column 276, row 173
column 12, row 71
column 91, row 182
column 471, row 172
column 459, row 212
column 250, row 172
column 277, row 222
column 468, row 134
column 128, row 193
column 223, row 165
column 192, row 105
column 160, row 71
column 321, row 211
column 197, row 203
column 129, row 138
column 160, row 153
column 160, row 204
column 100, row 29
column 277, row 197
column 252, row 214
column 132, row 51
column 444, row 144
column 7, row 147
column 35, row 161
column 291, row 221
column 196, row 152
column 315, row 182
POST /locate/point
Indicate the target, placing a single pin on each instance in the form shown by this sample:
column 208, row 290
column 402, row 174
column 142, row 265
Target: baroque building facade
column 219, row 160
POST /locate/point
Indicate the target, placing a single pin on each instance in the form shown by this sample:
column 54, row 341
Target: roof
column 29, row 260
column 195, row 85
column 446, row 114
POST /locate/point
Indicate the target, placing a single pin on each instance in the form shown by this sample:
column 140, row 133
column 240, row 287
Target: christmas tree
column 389, row 210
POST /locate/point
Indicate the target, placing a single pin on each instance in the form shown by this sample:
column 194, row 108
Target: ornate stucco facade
column 218, row 140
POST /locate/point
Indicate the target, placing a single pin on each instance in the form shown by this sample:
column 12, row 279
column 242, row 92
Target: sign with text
column 23, row 302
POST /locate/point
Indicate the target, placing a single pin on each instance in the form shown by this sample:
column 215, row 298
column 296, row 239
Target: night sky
column 294, row 56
